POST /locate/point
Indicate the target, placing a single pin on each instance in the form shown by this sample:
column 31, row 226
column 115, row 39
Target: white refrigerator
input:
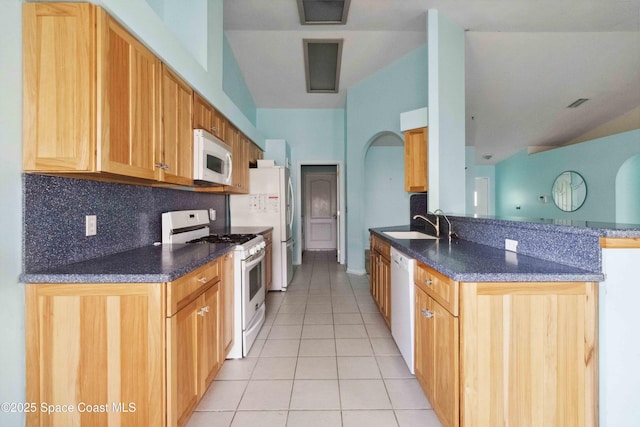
column 269, row 203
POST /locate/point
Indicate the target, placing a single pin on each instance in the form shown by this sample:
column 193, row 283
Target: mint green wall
column 386, row 202
column 446, row 113
column 374, row 106
column 12, row 370
column 628, row 192
column 234, row 84
column 522, row 178
column 313, row 135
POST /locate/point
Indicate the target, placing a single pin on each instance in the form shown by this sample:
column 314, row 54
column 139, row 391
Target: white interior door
column 481, row 196
column 320, row 211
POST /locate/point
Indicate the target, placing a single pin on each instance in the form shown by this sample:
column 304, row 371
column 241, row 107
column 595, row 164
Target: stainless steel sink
column 408, row 235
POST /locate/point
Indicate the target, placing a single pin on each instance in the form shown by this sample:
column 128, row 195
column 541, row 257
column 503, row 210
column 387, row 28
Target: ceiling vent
column 313, row 12
column 322, row 64
column 578, row 102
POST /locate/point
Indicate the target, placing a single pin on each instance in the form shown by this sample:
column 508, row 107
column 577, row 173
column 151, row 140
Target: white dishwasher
column 403, row 305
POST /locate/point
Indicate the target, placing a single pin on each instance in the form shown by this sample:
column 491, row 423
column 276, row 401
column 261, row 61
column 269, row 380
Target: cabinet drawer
column 382, row 247
column 438, row 286
column 182, row 291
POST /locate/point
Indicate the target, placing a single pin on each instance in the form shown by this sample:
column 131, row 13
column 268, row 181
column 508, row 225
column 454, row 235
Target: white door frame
column 341, row 203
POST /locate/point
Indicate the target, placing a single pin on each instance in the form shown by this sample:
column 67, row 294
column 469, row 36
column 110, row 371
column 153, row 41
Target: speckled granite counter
column 149, row 264
column 468, row 261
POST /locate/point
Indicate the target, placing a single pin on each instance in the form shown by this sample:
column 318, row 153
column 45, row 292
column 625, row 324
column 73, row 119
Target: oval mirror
column 569, row 191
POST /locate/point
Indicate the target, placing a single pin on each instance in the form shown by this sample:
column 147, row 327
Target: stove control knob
column 252, row 251
column 263, row 245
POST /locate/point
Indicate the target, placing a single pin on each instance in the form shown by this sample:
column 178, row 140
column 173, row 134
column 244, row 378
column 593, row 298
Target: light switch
column 90, row 225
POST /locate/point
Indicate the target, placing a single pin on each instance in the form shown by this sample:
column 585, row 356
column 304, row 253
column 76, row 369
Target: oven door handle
column 254, row 260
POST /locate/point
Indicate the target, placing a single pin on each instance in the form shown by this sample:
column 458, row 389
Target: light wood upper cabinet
column 59, row 73
column 91, row 94
column 416, row 176
column 98, row 344
column 507, row 353
column 177, row 135
column 206, row 117
column 128, row 85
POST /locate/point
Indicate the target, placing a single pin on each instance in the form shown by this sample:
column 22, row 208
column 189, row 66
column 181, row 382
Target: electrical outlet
column 90, row 225
column 212, row 214
column 511, row 245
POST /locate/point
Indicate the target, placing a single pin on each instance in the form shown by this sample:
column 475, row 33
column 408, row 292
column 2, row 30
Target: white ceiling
column 526, row 60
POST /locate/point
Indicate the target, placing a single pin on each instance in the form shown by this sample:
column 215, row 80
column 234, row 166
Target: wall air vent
column 322, row 64
column 313, row 12
column 578, row 102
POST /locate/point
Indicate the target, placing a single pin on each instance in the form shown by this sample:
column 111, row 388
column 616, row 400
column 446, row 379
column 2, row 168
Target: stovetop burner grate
column 224, row 238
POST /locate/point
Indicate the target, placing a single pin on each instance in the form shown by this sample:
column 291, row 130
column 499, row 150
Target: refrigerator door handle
column 292, row 205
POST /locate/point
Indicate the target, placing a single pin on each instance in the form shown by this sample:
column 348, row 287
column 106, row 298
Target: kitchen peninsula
column 504, row 336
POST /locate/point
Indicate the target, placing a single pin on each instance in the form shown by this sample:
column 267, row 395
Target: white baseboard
column 357, row 272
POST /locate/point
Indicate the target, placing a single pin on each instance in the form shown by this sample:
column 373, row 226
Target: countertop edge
column 587, row 276
column 99, row 278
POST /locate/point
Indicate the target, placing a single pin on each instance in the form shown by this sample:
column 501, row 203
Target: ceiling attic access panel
column 322, row 59
column 319, row 12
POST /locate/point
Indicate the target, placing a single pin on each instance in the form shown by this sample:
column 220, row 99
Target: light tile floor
column 324, row 357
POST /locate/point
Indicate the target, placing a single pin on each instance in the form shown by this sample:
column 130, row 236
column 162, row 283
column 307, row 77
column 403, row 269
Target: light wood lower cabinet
column 138, row 354
column 520, row 354
column 381, row 276
column 100, row 345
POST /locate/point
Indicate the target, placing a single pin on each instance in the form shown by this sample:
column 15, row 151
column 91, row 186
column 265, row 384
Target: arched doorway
column 628, row 191
column 385, row 201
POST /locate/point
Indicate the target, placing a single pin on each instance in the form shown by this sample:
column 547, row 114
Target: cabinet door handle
column 426, row 313
column 214, row 129
column 201, row 312
column 203, row 280
column 428, row 282
column 159, row 165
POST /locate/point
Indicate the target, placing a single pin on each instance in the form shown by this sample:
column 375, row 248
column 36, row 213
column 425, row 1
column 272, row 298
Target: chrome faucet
column 436, row 225
column 450, row 233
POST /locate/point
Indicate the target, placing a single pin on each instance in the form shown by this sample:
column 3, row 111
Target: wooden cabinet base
column 507, row 354
column 76, row 334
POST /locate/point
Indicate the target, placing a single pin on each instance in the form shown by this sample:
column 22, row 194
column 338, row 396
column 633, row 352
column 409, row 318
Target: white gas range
column 249, row 271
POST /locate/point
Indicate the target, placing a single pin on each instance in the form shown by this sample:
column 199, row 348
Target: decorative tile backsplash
column 128, row 216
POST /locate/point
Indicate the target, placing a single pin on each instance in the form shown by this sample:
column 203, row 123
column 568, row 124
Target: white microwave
column 212, row 161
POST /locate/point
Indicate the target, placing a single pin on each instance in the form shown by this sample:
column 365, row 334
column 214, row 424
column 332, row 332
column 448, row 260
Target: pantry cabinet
column 500, row 353
column 416, row 153
column 381, row 276
column 176, row 154
column 156, row 346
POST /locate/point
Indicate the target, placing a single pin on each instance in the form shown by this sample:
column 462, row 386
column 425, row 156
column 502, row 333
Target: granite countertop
column 467, row 261
column 148, row 264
